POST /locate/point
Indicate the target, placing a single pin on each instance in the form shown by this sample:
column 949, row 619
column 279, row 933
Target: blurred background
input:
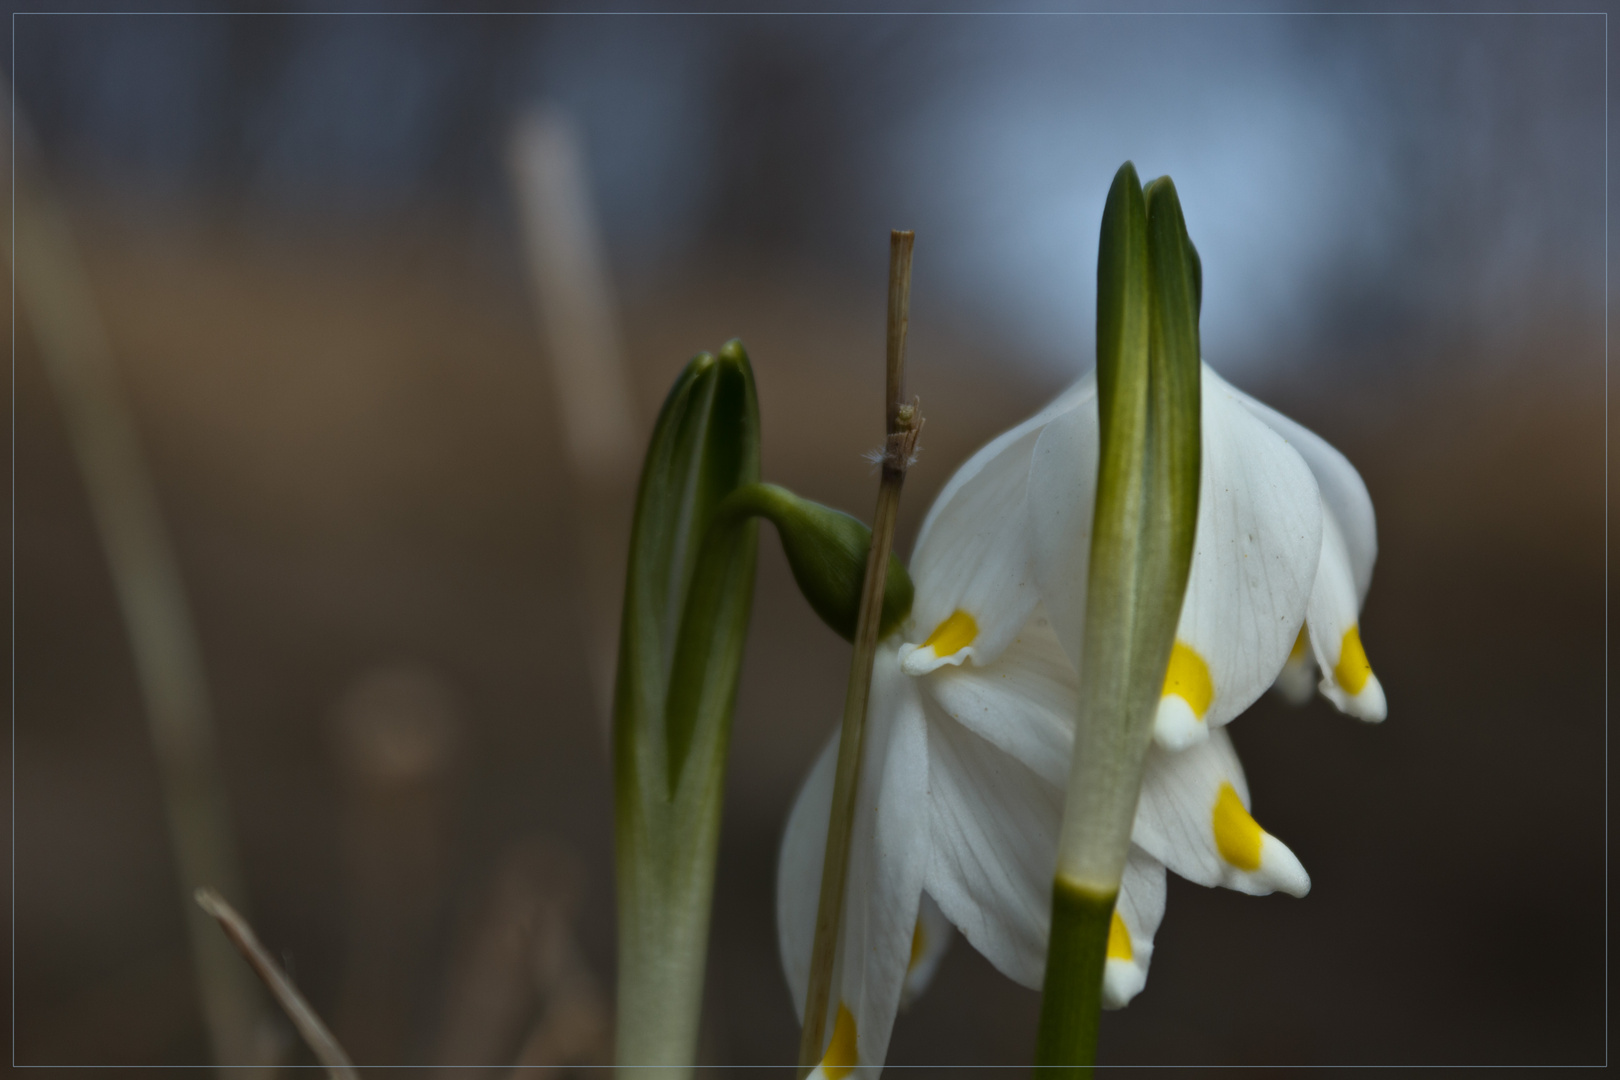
column 387, row 305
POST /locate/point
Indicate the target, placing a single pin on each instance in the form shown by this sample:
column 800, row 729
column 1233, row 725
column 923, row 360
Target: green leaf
column 707, row 660
column 655, row 580
column 1175, row 377
column 1124, row 282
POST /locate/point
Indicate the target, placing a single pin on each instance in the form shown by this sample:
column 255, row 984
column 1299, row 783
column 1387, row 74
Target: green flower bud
column 826, row 550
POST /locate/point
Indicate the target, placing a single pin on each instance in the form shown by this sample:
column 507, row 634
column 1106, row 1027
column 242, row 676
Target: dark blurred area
column 306, row 243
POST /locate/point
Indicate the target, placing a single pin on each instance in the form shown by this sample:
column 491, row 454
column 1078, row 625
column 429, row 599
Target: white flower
column 970, row 731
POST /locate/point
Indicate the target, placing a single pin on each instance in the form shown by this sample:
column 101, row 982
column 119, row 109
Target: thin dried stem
column 904, row 422
column 327, row 1050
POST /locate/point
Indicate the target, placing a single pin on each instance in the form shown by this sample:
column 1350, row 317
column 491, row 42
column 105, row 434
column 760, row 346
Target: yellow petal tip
column 1119, row 939
column 919, row 946
column 1302, row 647
column 1187, row 677
column 1352, row 686
column 954, row 634
column 1266, row 863
column 944, row 646
column 1237, row 834
column 842, row 1054
column 1353, row 670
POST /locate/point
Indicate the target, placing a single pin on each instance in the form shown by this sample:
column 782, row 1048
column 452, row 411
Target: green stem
column 1071, row 1000
column 903, row 424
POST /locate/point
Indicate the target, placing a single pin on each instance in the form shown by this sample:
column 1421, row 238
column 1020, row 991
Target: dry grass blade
column 309, row 1025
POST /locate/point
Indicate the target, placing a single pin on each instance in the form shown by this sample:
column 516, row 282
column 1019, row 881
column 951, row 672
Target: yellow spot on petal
column 953, row 635
column 1302, row 646
column 1237, row 835
column 919, row 945
column 841, row 1056
column 1188, row 678
column 1119, row 939
column 1352, row 670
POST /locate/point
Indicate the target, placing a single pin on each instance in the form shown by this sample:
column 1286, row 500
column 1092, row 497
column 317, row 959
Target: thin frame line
column 752, row 12
column 1019, row 13
column 1606, row 653
column 13, row 539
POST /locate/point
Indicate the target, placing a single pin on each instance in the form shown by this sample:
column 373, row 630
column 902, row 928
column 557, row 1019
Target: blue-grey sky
column 1339, row 173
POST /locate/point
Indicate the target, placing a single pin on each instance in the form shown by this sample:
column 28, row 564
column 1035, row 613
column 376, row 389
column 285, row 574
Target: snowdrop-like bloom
column 970, row 723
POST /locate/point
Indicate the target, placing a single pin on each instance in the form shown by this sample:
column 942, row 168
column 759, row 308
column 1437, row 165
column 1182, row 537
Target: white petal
column 995, row 826
column 798, row 872
column 888, row 854
column 1255, row 555
column 971, row 571
column 929, row 943
column 1140, row 907
column 995, row 840
column 972, row 555
column 1193, row 817
column 1024, row 703
column 1061, row 501
column 1347, row 679
column 1343, row 492
column 1081, row 390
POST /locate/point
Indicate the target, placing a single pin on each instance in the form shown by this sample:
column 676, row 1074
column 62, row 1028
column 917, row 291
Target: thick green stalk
column 680, row 652
column 1141, row 549
column 1071, row 1006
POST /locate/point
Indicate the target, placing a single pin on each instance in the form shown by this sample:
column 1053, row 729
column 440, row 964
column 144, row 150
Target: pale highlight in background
column 579, row 323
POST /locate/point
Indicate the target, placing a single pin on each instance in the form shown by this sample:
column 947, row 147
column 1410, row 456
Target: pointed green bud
column 826, row 550
column 713, row 626
column 1176, row 369
column 688, row 590
column 658, row 572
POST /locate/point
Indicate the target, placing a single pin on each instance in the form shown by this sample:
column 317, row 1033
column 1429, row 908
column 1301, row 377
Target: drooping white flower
column 971, row 716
